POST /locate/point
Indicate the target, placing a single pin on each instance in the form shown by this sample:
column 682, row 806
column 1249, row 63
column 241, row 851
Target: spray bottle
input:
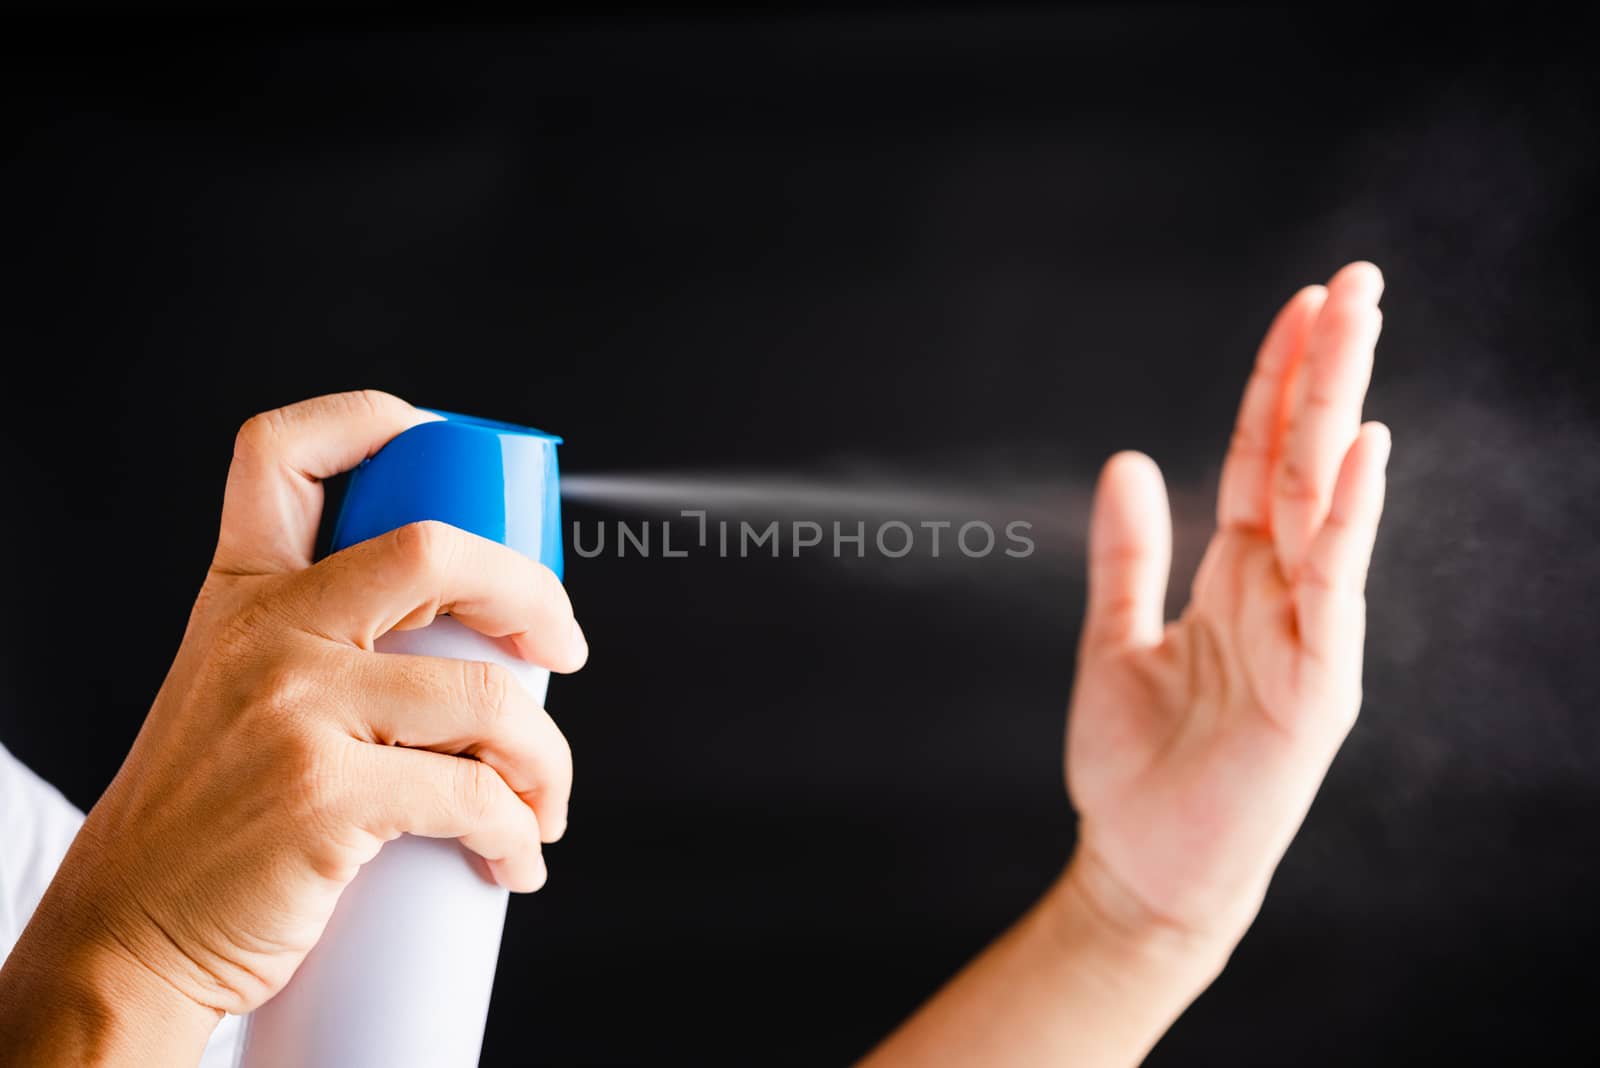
column 401, row 977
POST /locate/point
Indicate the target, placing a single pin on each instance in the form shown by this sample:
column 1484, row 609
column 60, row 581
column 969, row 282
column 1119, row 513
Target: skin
column 1194, row 748
column 281, row 752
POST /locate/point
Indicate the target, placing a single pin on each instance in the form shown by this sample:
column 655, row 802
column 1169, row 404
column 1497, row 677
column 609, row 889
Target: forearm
column 71, row 995
column 1079, row 980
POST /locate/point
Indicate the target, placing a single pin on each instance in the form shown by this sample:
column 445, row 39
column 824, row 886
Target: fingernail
column 580, row 644
column 542, row 877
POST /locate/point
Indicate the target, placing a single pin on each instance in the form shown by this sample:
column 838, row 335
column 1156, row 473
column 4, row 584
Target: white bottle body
column 401, row 978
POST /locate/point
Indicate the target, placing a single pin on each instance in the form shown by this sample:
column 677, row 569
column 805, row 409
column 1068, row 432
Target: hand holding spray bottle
column 402, row 975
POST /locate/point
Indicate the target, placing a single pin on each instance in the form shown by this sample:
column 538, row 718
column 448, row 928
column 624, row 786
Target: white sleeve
column 37, row 825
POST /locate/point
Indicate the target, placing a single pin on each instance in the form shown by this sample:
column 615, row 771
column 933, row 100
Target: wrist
column 1104, row 924
column 71, row 993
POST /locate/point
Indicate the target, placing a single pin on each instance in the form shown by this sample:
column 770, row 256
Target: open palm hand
column 1194, row 748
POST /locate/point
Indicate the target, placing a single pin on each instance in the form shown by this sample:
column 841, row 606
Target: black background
column 1001, row 244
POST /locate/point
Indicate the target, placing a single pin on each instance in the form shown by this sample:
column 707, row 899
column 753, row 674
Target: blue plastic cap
column 497, row 480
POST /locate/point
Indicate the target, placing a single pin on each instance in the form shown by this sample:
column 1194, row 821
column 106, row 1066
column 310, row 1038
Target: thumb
column 1130, row 554
column 274, row 496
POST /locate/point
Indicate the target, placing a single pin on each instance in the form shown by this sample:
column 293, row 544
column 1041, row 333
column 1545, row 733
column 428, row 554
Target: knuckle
column 281, row 686
column 1249, row 444
column 356, row 403
column 367, row 401
column 301, row 760
column 474, row 786
column 1314, row 573
column 320, row 771
column 1120, row 555
column 489, row 690
column 423, row 547
column 1295, row 482
column 327, row 786
column 258, row 433
column 1121, row 606
column 1321, row 397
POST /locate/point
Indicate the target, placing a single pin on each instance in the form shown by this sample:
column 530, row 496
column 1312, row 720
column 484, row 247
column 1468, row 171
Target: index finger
column 1325, row 411
column 1244, row 495
column 407, row 577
